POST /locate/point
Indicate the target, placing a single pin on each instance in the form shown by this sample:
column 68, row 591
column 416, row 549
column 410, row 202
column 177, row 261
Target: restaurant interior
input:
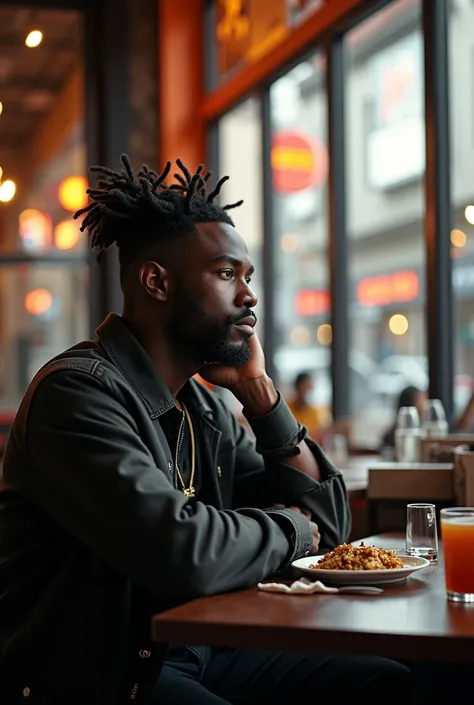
column 347, row 128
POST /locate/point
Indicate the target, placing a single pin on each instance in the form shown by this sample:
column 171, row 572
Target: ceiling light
column 34, row 39
column 324, row 334
column 38, row 301
column 458, row 238
column 7, row 191
column 72, row 193
column 66, row 235
column 398, row 324
column 469, row 213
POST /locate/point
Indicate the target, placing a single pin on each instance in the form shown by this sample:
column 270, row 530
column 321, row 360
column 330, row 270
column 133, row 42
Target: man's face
column 308, row 385
column 210, row 312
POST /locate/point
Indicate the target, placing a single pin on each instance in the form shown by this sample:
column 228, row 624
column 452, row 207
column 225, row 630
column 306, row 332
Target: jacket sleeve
column 90, row 470
column 263, row 477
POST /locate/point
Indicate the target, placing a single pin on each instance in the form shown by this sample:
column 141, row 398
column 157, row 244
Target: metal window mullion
column 268, row 250
column 438, row 219
column 338, row 249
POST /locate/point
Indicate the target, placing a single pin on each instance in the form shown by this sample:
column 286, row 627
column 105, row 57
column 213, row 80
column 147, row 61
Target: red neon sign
column 312, row 302
column 386, row 289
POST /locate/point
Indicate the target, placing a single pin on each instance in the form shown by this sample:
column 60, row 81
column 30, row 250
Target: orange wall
column 181, row 78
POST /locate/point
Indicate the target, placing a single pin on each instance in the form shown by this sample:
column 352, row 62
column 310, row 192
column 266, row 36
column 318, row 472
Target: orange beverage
column 457, row 531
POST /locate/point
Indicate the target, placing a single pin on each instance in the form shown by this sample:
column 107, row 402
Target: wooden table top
column 413, row 620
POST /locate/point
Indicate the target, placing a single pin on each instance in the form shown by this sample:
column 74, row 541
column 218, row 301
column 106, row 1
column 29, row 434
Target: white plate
column 361, row 577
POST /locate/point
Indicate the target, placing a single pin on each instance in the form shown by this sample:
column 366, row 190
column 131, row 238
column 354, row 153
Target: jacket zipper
column 179, row 448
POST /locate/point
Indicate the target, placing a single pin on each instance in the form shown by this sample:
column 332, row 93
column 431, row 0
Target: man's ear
column 156, row 280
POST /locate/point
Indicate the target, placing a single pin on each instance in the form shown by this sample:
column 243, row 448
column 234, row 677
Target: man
column 129, row 488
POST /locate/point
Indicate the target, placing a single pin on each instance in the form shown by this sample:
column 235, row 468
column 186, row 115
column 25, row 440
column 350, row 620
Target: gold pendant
column 189, row 492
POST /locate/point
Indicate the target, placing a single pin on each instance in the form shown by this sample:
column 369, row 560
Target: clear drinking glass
column 457, row 531
column 407, row 435
column 422, row 533
column 335, row 447
column 433, row 419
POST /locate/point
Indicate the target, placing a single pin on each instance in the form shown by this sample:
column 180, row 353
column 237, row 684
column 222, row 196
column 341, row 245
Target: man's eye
column 248, row 279
column 227, row 273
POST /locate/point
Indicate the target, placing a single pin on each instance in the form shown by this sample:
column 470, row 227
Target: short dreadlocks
column 134, row 211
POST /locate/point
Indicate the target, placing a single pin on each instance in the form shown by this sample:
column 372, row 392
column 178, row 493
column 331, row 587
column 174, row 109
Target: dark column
column 337, row 230
column 438, row 224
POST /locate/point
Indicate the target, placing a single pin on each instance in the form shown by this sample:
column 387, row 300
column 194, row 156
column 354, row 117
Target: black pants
column 244, row 677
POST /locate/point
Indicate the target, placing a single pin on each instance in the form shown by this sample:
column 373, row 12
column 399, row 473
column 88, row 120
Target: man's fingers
column 316, row 537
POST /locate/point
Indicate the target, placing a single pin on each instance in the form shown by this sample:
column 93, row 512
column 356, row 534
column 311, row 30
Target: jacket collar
column 133, row 362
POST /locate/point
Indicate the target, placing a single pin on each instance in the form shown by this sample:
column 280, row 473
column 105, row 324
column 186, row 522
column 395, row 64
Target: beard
column 204, row 337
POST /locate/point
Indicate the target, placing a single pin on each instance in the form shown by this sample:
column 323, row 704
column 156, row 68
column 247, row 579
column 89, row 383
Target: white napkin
column 299, row 587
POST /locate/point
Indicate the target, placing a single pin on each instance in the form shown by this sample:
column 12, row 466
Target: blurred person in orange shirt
column 316, row 419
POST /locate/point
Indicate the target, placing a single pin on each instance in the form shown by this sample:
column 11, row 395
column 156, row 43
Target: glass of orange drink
column 457, row 532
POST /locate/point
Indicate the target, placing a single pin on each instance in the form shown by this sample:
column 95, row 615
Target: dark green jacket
column 95, row 537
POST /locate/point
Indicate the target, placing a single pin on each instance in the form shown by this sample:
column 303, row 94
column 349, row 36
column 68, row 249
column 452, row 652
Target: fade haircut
column 135, row 210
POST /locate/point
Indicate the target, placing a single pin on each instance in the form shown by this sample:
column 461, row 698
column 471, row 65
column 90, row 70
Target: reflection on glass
column 385, row 170
column 43, row 310
column 43, row 305
column 42, row 150
column 299, row 157
column 461, row 47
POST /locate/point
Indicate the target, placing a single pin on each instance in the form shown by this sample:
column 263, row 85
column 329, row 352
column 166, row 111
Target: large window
column 461, row 57
column 43, row 268
column 299, row 162
column 382, row 178
column 385, row 143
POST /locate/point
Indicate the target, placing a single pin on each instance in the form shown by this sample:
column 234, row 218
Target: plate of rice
column 360, row 565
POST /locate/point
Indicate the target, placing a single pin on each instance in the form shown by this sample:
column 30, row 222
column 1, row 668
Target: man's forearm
column 259, row 398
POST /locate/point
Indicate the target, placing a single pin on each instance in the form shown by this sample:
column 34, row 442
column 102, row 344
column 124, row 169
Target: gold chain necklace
column 188, row 491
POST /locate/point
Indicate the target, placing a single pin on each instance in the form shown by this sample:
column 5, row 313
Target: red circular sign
column 298, row 162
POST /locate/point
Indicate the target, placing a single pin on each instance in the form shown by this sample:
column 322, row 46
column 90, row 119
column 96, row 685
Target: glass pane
column 385, row 142
column 240, row 151
column 299, row 169
column 43, row 310
column 461, row 59
column 240, row 157
column 43, row 258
